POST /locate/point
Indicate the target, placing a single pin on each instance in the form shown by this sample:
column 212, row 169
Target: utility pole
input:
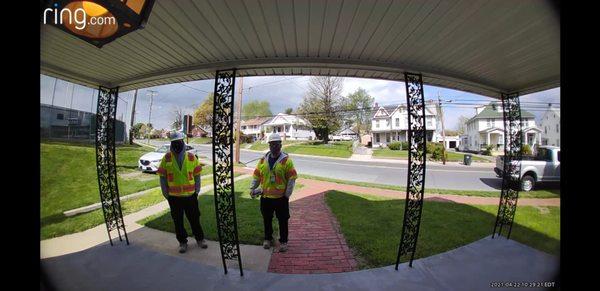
column 132, row 117
column 236, row 157
column 152, row 94
column 441, row 114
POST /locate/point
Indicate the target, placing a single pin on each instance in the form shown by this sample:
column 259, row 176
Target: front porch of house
column 381, row 139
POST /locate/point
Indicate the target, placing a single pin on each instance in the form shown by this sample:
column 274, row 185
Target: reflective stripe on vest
column 180, row 182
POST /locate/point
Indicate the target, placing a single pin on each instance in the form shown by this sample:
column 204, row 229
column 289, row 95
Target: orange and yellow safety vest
column 273, row 182
column 180, row 182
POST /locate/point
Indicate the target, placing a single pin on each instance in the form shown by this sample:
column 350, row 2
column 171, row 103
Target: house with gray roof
column 390, row 124
column 487, row 128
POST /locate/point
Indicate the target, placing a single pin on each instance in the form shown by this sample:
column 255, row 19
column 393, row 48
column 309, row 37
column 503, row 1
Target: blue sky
column 281, row 92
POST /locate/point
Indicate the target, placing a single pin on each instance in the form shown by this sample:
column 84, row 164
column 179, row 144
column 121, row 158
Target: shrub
column 432, row 146
column 527, row 150
column 438, row 153
column 404, row 145
column 488, row 150
column 395, row 146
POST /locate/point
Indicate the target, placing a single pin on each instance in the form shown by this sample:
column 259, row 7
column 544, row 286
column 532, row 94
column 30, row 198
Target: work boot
column 283, row 248
column 182, row 248
column 267, row 244
column 202, row 243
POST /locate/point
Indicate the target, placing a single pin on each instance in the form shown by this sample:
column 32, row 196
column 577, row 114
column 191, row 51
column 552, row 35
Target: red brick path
column 315, row 244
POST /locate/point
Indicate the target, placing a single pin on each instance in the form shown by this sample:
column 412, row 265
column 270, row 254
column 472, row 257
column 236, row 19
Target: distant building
column 290, row 127
column 197, row 131
column 550, row 126
column 63, row 123
column 253, row 127
column 344, row 134
column 487, row 128
column 390, row 124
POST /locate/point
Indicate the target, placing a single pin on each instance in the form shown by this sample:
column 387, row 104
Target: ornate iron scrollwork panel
column 513, row 136
column 223, row 167
column 105, row 161
column 415, row 185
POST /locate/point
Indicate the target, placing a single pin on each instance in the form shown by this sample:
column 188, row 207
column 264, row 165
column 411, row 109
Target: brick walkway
column 315, row 244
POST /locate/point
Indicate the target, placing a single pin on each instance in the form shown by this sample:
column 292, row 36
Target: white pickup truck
column 543, row 167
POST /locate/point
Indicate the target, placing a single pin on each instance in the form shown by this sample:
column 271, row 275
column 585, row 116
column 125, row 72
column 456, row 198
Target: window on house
column 397, row 122
column 557, row 128
column 377, row 126
column 60, row 116
column 545, row 130
column 429, row 123
column 377, row 137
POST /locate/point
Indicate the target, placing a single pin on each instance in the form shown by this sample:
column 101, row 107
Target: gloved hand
column 255, row 193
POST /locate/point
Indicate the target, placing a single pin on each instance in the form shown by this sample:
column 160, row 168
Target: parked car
column 149, row 162
column 543, row 167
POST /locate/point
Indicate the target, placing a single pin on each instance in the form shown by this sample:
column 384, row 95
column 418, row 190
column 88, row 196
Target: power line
column 194, row 88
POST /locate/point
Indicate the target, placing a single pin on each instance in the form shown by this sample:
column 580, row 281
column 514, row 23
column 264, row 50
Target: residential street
column 437, row 176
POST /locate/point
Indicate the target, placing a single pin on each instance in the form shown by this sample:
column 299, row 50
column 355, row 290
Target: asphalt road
column 437, row 176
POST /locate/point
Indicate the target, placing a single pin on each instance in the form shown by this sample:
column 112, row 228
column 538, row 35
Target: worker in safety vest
column 276, row 176
column 179, row 173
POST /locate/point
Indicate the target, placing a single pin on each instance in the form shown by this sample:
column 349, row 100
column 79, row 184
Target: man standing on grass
column 276, row 176
column 180, row 183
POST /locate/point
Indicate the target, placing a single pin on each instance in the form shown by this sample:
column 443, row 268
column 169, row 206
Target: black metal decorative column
column 415, row 186
column 223, row 167
column 105, row 161
column 513, row 137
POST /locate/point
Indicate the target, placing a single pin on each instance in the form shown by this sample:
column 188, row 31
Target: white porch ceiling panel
column 484, row 47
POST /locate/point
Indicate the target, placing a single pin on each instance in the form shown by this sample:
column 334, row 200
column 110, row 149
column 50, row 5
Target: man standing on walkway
column 276, row 176
column 180, row 183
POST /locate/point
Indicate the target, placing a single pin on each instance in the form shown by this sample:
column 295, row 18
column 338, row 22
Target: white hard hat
column 176, row 135
column 274, row 137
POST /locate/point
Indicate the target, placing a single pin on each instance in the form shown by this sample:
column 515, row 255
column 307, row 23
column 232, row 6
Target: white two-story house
column 550, row 126
column 487, row 128
column 390, row 124
column 253, row 126
column 290, row 127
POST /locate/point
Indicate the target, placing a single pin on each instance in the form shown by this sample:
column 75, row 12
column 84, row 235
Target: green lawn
column 403, row 155
column 259, row 146
column 342, row 149
column 200, row 140
column 546, row 191
column 262, row 146
column 249, row 219
column 444, row 226
column 69, row 181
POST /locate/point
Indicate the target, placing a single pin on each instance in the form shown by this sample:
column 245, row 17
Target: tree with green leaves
column 289, row 110
column 255, row 109
column 322, row 105
column 135, row 130
column 358, row 108
column 203, row 115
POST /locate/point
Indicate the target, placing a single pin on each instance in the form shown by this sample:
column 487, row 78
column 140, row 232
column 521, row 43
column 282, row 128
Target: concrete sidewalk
column 471, row 267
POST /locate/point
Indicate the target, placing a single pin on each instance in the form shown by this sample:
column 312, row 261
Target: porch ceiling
column 484, row 47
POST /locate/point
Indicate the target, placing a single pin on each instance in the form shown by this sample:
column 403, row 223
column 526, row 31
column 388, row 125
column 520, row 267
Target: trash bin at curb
column 467, row 160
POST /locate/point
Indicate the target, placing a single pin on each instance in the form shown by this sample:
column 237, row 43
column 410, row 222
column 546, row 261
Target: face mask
column 177, row 146
column 275, row 148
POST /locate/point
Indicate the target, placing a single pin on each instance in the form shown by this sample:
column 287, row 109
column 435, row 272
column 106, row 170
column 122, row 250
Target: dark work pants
column 189, row 206
column 281, row 207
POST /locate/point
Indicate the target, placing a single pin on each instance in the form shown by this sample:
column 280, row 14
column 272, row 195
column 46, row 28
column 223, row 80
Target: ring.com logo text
column 77, row 16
